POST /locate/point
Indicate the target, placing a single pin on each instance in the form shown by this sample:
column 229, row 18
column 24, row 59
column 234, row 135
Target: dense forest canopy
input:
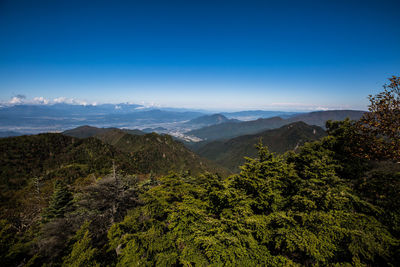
column 333, row 202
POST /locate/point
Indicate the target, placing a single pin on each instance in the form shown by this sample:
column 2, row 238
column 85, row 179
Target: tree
column 59, row 202
column 279, row 211
column 380, row 127
column 82, row 253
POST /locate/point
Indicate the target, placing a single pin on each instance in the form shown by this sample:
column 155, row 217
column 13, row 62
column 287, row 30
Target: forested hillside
column 231, row 153
column 332, row 202
column 90, row 131
column 159, row 154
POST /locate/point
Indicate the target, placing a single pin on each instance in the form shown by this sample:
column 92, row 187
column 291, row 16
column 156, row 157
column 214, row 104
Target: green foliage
column 59, row 202
column 82, row 253
column 7, row 239
column 158, row 154
column 14, row 246
column 381, row 124
column 276, row 212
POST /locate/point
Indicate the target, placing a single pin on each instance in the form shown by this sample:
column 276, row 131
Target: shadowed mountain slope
column 231, row 153
column 230, row 130
column 233, row 129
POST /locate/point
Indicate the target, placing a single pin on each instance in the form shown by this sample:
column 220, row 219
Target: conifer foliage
column 59, row 202
column 82, row 253
column 277, row 211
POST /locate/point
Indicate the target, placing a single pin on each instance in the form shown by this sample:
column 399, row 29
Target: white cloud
column 62, row 99
column 15, row 100
column 18, row 99
column 40, row 100
column 71, row 101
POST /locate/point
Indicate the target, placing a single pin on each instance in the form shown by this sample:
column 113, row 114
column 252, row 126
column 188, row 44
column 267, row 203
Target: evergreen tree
column 82, row 253
column 59, row 203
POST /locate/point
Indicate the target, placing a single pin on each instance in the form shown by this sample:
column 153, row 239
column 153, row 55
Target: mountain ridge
column 230, row 130
column 230, row 153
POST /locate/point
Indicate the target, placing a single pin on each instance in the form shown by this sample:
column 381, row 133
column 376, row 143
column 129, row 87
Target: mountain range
column 232, row 129
column 248, row 115
column 189, row 126
column 231, row 153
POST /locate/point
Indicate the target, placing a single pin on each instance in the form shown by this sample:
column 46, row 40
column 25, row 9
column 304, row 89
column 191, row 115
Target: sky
column 221, row 55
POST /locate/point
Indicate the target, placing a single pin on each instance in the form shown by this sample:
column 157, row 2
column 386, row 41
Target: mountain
column 320, row 117
column 231, row 153
column 208, row 120
column 230, row 130
column 158, row 153
column 58, row 155
column 9, row 134
column 152, row 152
column 31, row 119
column 155, row 130
column 54, row 155
column 90, row 131
column 248, row 115
column 233, row 129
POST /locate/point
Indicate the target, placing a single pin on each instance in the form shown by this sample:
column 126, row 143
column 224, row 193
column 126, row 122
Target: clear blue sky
column 283, row 55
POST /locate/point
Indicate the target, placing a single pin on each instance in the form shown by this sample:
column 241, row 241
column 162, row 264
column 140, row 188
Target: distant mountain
column 30, row 119
column 9, row 134
column 85, row 131
column 230, row 130
column 233, row 129
column 208, row 120
column 231, row 153
column 90, row 131
column 155, row 130
column 248, row 115
column 320, row 117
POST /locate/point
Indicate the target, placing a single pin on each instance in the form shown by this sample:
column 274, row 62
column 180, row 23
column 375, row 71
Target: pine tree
column 59, row 202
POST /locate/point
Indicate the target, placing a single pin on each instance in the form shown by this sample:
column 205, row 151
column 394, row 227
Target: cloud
column 62, row 99
column 18, row 99
column 71, row 101
column 15, row 100
column 40, row 100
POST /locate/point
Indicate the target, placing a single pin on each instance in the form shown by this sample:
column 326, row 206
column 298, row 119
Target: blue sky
column 222, row 55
